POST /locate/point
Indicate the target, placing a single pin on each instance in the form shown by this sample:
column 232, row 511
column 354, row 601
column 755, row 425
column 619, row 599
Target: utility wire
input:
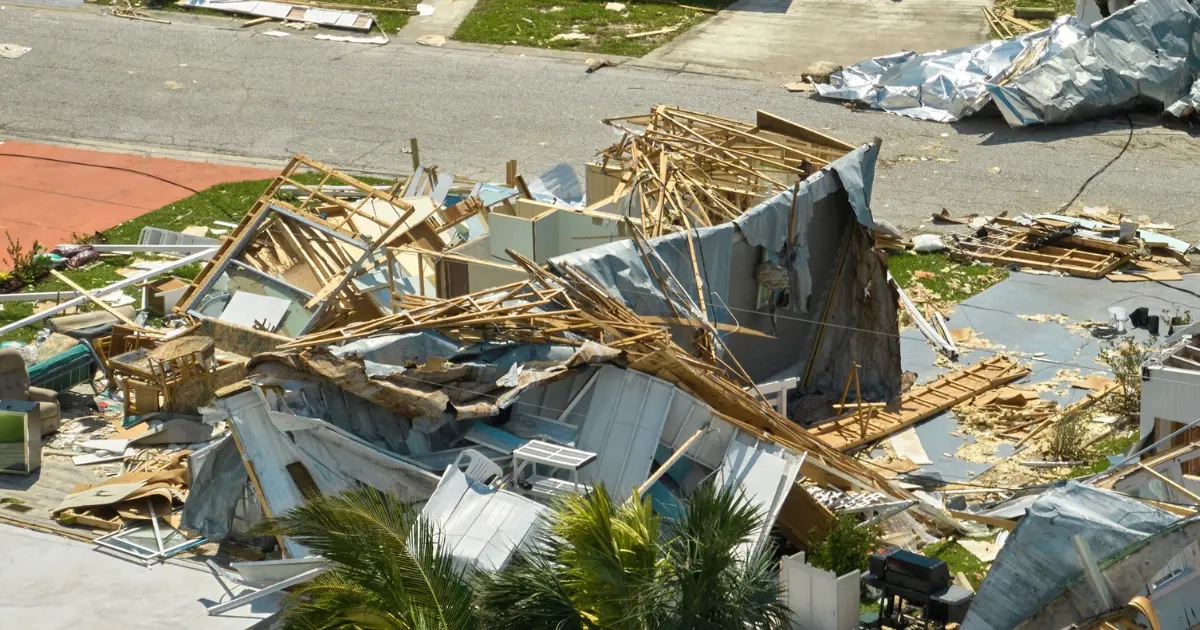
column 1116, row 157
column 224, row 210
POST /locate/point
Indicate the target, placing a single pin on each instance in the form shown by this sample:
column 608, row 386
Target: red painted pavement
column 48, row 192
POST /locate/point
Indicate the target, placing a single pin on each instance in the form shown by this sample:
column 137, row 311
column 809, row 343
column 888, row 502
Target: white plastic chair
column 479, row 467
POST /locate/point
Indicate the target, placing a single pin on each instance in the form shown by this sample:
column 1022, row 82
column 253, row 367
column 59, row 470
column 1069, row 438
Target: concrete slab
column 447, row 15
column 53, row 582
column 51, row 191
column 785, row 36
column 1047, row 346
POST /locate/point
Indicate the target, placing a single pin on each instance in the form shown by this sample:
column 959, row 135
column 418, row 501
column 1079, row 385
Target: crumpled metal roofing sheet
column 1147, row 53
column 1039, row 556
column 482, row 527
column 765, row 474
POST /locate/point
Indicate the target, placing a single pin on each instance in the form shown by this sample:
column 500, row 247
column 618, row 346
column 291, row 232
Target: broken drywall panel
column 482, row 527
column 908, row 444
column 288, row 12
column 505, row 232
column 257, row 312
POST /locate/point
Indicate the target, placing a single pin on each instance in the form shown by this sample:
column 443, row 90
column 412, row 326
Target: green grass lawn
column 536, row 22
column 388, row 21
column 951, row 280
column 226, row 202
column 958, row 560
column 1098, row 460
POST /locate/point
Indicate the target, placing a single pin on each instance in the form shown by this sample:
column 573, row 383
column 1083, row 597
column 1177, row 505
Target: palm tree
column 386, row 570
column 601, row 565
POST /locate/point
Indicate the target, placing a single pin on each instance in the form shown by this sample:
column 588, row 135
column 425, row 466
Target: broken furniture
column 160, row 296
column 556, row 458
column 478, row 467
column 15, row 386
column 20, row 437
column 65, row 369
column 172, row 376
column 918, row 580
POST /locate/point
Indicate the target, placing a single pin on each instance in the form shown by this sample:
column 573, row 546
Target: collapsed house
column 480, row 349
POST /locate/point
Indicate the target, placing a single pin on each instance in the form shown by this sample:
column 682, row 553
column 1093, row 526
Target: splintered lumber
column 870, row 424
column 1075, row 407
column 120, row 284
column 689, row 170
column 95, row 300
column 1006, row 243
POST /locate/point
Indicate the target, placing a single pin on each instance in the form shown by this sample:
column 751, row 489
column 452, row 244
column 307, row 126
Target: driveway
column 785, row 36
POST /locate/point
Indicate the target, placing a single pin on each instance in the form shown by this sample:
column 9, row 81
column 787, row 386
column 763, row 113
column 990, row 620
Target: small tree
column 27, row 266
column 1125, row 359
column 845, row 548
column 1068, row 438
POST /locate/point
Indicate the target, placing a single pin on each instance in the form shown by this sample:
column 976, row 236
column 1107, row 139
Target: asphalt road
column 208, row 86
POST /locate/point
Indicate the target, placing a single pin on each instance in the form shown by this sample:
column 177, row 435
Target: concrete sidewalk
column 447, row 15
column 785, row 36
column 52, row 583
column 48, row 192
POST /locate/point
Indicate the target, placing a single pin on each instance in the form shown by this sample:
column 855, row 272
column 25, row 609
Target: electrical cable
column 224, row 210
column 1116, row 157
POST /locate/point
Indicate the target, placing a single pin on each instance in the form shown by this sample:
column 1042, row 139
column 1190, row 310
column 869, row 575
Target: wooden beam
column 868, row 424
column 775, row 124
column 990, row 521
column 95, row 300
column 1170, row 482
column 662, row 470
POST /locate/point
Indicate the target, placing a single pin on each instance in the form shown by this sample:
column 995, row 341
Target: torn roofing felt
column 458, row 391
column 621, row 269
column 1039, row 557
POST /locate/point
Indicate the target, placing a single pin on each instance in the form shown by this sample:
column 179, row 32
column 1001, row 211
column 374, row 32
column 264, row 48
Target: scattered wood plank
column 661, row 31
column 863, row 427
column 1074, row 407
column 990, row 521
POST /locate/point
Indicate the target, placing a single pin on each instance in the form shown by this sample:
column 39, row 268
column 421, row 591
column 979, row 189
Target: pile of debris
column 1087, row 243
column 472, row 349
